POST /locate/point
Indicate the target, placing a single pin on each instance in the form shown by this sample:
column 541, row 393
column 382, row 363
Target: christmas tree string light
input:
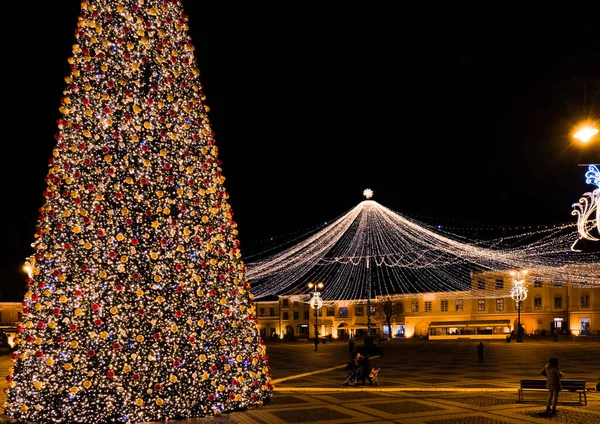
column 137, row 307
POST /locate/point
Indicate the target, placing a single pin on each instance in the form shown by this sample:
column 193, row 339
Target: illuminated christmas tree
column 138, row 308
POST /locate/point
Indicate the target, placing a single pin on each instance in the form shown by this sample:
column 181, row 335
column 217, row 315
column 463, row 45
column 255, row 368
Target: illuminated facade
column 551, row 303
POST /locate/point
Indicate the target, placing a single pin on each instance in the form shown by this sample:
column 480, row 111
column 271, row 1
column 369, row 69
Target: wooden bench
column 568, row 384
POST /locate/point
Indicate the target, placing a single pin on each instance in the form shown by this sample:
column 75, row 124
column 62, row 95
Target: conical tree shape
column 137, row 308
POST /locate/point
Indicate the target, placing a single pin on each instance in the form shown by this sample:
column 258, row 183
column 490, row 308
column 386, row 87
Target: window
column 285, row 303
column 537, row 283
column 286, row 316
column 444, row 306
column 359, row 311
column 537, row 302
column 499, row 304
column 585, row 300
column 262, row 312
column 499, row 284
column 459, row 305
column 295, row 315
column 558, row 302
column 427, row 306
column 306, row 314
column 414, row 306
column 558, row 283
column 399, row 308
column 318, row 312
column 481, row 305
column 295, row 303
column 330, row 312
column 271, row 312
column 480, row 285
column 343, row 311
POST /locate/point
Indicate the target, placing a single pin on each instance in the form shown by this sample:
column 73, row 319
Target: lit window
column 343, row 311
column 414, row 306
column 481, row 305
column 459, row 305
column 585, row 300
column 499, row 304
column 537, row 302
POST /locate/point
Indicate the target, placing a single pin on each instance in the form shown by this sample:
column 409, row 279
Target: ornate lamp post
column 519, row 294
column 316, row 303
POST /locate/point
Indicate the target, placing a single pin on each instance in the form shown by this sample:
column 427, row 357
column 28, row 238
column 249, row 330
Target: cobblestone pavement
column 420, row 382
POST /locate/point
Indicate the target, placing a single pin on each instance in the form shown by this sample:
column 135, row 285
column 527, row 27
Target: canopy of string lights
column 374, row 251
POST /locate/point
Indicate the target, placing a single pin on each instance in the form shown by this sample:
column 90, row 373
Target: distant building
column 550, row 303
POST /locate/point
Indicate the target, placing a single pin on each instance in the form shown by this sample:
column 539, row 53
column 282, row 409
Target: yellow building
column 486, row 311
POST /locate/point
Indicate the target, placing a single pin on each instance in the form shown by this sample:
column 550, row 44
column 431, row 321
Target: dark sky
column 454, row 116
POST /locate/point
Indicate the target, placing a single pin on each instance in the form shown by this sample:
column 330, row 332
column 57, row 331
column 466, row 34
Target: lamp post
column 519, row 294
column 316, row 303
column 587, row 130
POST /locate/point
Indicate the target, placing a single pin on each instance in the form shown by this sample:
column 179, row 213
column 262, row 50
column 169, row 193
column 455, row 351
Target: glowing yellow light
column 585, row 133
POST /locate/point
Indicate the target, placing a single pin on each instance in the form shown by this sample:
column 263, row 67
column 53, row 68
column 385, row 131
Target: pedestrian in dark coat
column 480, row 351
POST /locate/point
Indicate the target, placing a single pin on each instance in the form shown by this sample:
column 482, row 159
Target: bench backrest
column 533, row 384
column 541, row 384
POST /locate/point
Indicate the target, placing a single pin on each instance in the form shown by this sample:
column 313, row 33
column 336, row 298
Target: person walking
column 480, row 351
column 553, row 375
column 555, row 333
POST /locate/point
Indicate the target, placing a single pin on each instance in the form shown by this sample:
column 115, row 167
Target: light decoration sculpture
column 368, row 193
column 316, row 303
column 585, row 208
column 373, row 249
column 519, row 294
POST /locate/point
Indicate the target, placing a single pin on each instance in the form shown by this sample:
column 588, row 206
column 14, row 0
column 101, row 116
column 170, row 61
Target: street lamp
column 519, row 294
column 585, row 133
column 587, row 130
column 316, row 303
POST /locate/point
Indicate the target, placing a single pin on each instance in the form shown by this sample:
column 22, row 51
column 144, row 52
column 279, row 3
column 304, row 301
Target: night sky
column 456, row 117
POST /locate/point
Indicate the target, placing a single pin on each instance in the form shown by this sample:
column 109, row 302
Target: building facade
column 486, row 311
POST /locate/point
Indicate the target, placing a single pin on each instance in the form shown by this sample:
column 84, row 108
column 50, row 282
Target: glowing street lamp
column 585, row 133
column 316, row 303
column 519, row 294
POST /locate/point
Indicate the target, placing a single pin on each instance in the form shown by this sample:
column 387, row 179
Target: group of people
column 360, row 371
